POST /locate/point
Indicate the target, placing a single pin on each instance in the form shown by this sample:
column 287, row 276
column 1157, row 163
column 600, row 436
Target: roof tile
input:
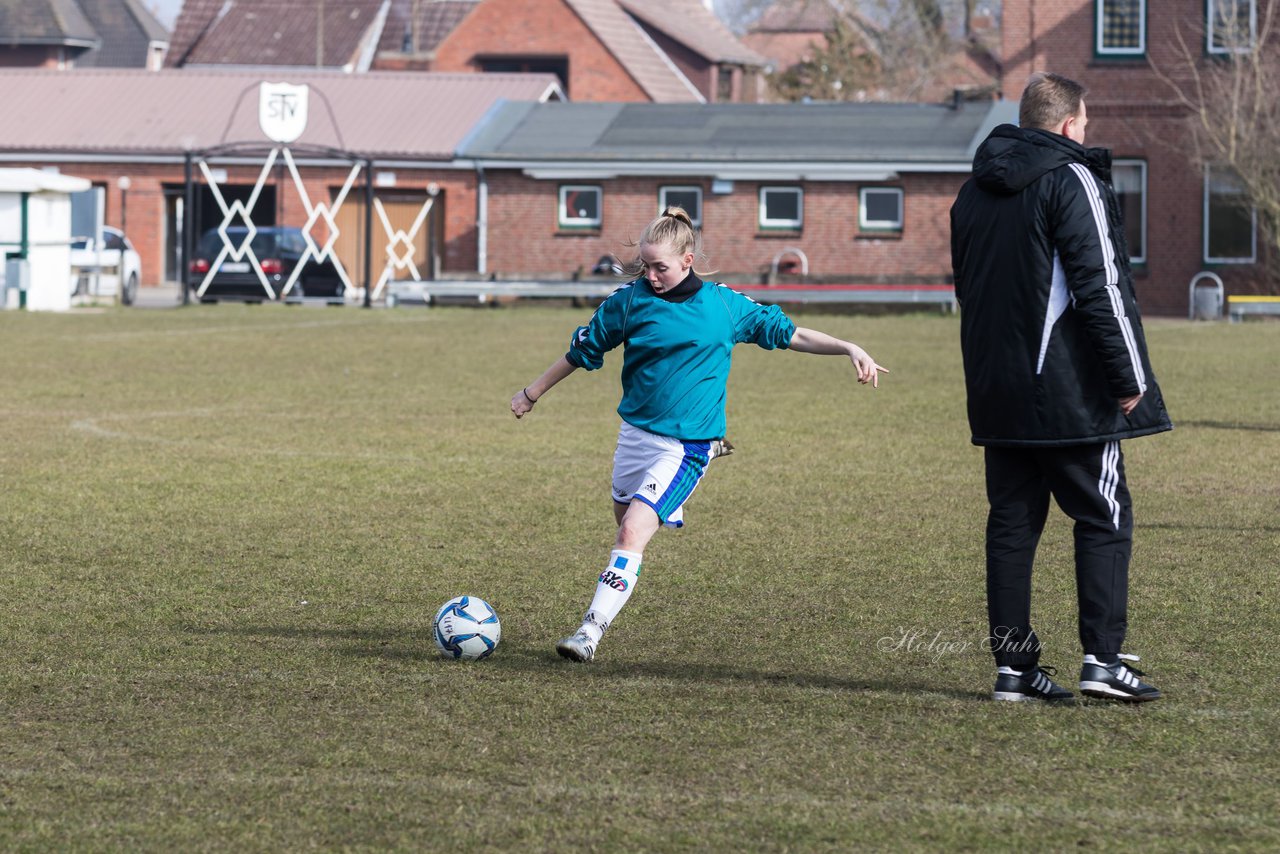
column 621, row 36
column 696, row 27
column 415, row 115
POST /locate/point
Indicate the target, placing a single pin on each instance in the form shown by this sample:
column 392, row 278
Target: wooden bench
column 1239, row 306
column 943, row 296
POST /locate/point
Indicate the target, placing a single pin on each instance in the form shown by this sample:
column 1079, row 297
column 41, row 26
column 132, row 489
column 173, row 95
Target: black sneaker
column 1117, row 682
column 1031, row 685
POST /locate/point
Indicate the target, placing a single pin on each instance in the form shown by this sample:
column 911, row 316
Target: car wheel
column 130, row 291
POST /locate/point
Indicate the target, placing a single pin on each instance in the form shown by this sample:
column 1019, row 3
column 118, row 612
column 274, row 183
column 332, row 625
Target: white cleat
column 721, row 448
column 577, row 647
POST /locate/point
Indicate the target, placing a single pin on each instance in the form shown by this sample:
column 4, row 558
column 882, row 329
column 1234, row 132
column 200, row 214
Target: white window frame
column 782, row 223
column 1211, row 49
column 1142, row 169
column 1253, row 229
column 1100, row 50
column 684, row 188
column 567, row 221
column 865, row 224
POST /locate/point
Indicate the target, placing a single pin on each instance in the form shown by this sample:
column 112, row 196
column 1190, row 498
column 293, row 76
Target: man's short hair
column 1049, row 100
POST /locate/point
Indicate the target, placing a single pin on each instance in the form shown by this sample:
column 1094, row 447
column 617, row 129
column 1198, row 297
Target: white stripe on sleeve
column 1096, row 205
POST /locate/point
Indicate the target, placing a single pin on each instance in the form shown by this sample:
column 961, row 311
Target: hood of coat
column 1012, row 158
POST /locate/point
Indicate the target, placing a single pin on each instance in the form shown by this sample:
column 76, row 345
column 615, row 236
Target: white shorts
column 658, row 470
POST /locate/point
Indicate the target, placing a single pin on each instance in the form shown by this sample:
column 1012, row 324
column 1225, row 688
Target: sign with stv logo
column 282, row 111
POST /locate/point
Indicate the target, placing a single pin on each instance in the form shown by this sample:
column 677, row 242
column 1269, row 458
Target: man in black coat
column 1056, row 370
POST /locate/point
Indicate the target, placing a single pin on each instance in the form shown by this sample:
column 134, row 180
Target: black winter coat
column 1049, row 328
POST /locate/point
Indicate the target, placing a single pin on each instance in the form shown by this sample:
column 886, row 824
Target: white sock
column 1008, row 671
column 613, row 589
column 1089, row 659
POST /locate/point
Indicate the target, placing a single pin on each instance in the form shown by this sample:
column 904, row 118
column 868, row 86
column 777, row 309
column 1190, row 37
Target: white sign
column 282, row 111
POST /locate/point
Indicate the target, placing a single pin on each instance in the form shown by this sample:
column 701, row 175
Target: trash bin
column 1206, row 299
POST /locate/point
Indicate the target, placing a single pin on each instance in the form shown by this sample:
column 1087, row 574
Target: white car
column 99, row 270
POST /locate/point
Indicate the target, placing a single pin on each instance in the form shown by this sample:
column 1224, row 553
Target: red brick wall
column 1132, row 111
column 539, row 28
column 524, row 237
column 147, row 222
column 28, row 56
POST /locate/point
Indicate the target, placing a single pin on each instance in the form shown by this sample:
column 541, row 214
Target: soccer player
column 678, row 334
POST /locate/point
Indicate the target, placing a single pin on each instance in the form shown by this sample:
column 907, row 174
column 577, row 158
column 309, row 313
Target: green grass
column 224, row 532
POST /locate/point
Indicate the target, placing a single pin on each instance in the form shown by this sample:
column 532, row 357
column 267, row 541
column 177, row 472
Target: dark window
column 724, row 84
column 1232, row 25
column 580, row 206
column 689, row 198
column 557, row 65
column 1121, row 27
column 781, row 207
column 1229, row 219
column 1129, row 178
column 881, row 208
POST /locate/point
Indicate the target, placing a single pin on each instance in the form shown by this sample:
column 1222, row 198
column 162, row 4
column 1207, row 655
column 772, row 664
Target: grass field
column 224, row 532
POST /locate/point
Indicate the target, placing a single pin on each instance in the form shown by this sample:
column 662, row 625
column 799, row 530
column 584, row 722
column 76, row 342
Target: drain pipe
column 482, row 221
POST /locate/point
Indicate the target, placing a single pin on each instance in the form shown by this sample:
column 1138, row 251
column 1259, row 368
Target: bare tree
column 740, row 14
column 882, row 50
column 1233, row 113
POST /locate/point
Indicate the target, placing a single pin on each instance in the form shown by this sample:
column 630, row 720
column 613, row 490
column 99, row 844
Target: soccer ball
column 467, row 628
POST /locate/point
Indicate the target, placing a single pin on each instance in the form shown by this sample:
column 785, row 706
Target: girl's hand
column 868, row 370
column 521, row 403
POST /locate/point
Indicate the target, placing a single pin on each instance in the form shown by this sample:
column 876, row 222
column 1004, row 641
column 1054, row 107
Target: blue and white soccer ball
column 467, row 628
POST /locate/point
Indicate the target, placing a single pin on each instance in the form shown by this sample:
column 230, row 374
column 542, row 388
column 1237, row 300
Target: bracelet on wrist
column 525, row 392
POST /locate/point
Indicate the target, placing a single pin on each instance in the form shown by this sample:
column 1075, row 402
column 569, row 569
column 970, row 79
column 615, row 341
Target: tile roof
column 127, row 29
column 275, row 32
column 762, row 133
column 406, row 115
column 696, row 27
column 796, row 16
column 196, row 16
column 45, row 22
column 436, row 19
column 653, row 70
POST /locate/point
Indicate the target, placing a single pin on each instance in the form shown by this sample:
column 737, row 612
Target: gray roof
column 45, row 22
column 772, row 133
column 127, row 29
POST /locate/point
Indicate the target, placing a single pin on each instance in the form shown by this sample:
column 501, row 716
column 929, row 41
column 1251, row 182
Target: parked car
column 98, row 270
column 279, row 250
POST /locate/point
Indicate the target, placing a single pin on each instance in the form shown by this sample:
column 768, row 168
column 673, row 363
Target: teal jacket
column 676, row 357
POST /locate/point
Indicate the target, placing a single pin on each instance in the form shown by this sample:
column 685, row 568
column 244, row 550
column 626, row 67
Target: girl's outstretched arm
column 523, row 400
column 821, row 344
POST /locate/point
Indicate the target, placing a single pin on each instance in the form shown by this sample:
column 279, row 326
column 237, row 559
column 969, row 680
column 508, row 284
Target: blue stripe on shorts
column 696, row 457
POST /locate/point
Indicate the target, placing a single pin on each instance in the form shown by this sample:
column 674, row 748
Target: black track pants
column 1088, row 483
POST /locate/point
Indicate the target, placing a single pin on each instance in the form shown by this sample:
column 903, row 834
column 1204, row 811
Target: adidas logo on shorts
column 651, row 487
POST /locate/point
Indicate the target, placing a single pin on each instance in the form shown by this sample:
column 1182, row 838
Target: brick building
column 408, row 125
column 847, row 193
column 601, row 50
column 1180, row 214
